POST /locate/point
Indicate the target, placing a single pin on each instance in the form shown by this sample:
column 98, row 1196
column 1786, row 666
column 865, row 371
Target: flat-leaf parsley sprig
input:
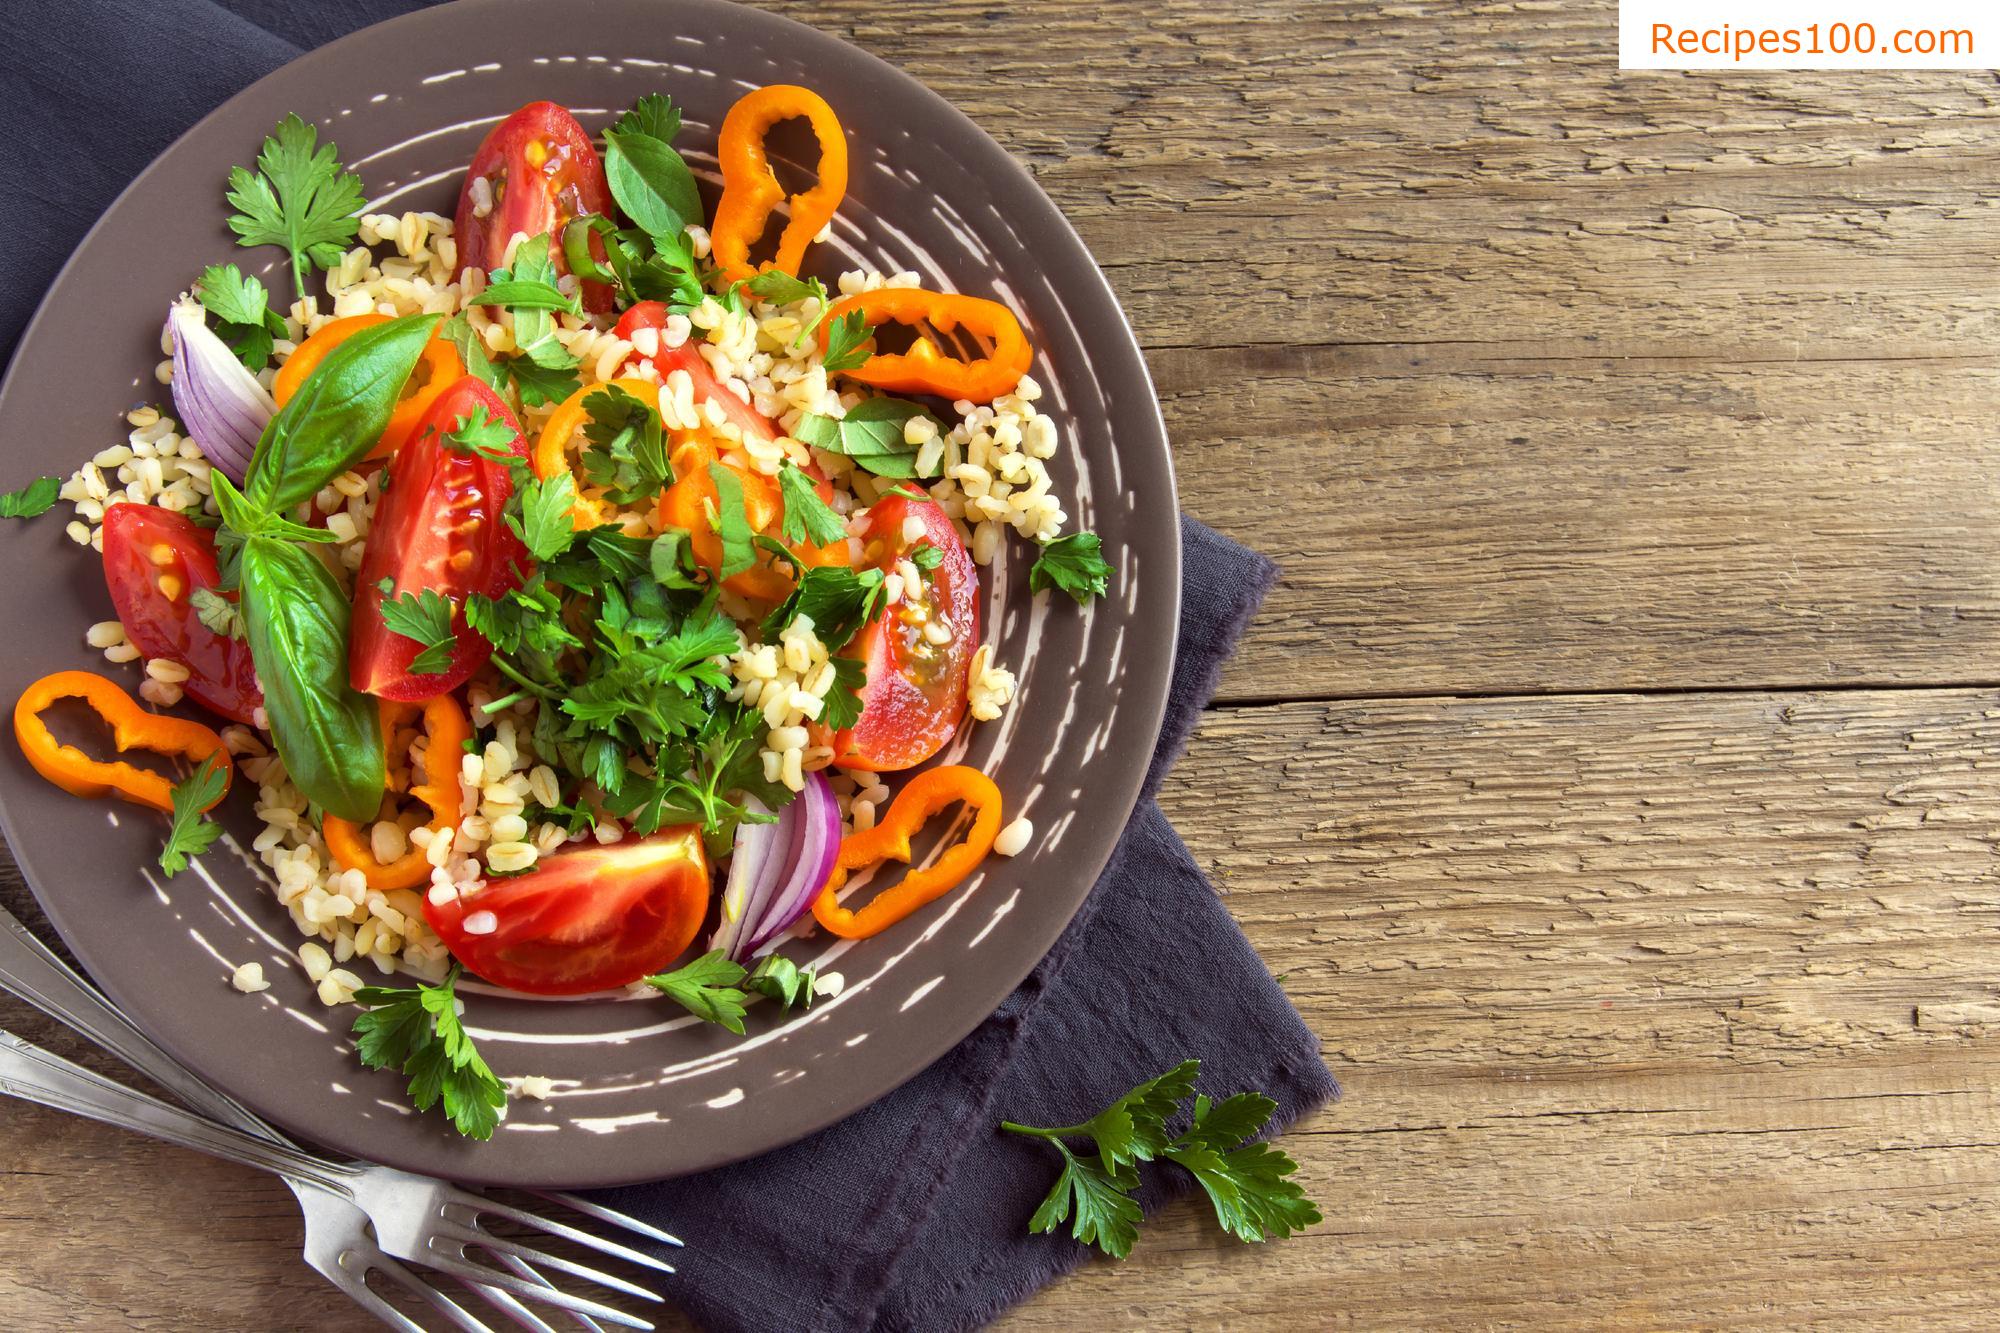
column 419, row 1032
column 300, row 197
column 1246, row 1182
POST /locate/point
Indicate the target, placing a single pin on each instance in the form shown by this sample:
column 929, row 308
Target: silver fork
column 415, row 1219
column 338, row 1243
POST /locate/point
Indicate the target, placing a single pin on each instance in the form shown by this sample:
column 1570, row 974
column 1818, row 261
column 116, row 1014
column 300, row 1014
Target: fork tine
column 610, row 1216
column 504, row 1302
column 459, row 1266
column 542, row 1259
column 426, row 1291
column 577, row 1234
column 381, row 1309
column 527, row 1271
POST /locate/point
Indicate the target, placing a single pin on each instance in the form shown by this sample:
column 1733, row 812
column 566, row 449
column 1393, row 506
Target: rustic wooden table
column 1615, row 775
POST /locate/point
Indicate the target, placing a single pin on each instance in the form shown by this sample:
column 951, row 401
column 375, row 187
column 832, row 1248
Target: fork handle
column 30, row 970
column 33, row 1074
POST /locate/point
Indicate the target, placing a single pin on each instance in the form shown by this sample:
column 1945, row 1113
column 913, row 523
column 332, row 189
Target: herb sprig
column 300, row 197
column 418, row 1032
column 192, row 832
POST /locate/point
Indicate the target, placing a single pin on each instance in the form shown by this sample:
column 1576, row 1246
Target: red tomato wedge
column 539, row 170
column 438, row 527
column 154, row 559
column 583, row 921
column 915, row 693
column 707, row 388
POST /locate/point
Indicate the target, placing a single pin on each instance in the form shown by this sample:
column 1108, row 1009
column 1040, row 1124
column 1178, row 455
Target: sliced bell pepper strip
column 551, row 457
column 685, row 505
column 446, row 728
column 750, row 189
column 925, row 369
column 927, row 793
column 437, row 370
column 132, row 728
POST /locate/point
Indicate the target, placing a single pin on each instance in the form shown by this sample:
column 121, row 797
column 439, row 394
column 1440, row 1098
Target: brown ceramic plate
column 641, row 1094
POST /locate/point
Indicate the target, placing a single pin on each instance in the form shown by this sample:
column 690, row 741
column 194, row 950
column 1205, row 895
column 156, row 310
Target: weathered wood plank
column 1673, row 1011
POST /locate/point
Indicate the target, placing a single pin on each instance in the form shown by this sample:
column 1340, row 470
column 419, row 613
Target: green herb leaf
column 37, row 497
column 534, row 268
column 847, row 342
column 651, row 183
column 544, row 524
column 926, row 556
column 841, row 705
column 627, row 450
column 244, row 319
column 191, row 832
column 1075, row 564
column 781, row 288
column 419, row 1032
column 778, row 978
column 1106, row 1214
column 424, row 617
column 217, row 612
column 707, row 989
column 518, row 295
column 338, row 413
column 300, row 197
column 1247, row 1185
column 838, row 600
column 732, row 526
column 480, row 433
column 328, row 733
column 540, row 385
column 472, row 351
column 872, row 435
column 671, row 560
column 807, row 517
column 653, row 115
column 246, row 520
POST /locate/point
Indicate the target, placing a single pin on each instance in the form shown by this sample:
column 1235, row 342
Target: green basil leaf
column 651, row 183
column 328, row 733
column 337, row 415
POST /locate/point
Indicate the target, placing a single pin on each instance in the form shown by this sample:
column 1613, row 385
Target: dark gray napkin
column 911, row 1214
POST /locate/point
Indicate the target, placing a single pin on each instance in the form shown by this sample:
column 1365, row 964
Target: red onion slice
column 818, row 817
column 221, row 405
column 776, row 870
column 757, row 855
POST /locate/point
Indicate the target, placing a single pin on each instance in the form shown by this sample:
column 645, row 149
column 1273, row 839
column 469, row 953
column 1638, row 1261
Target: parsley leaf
column 541, row 385
column 425, row 617
column 807, row 517
column 192, row 832
column 838, row 600
column 217, row 612
column 544, row 524
column 1073, row 563
column 299, row 197
column 778, row 978
column 731, row 525
column 244, row 318
column 472, row 351
column 707, row 989
column 926, row 556
column 480, row 433
column 781, row 288
column 627, row 450
column 418, row 1031
column 847, row 342
column 35, row 498
column 1247, row 1185
column 841, row 704
column 872, row 435
column 653, row 115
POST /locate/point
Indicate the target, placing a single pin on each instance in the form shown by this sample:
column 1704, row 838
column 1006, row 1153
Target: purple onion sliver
column 221, row 405
column 818, row 815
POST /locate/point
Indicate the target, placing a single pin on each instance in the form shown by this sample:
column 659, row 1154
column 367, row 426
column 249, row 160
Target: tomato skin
column 586, row 920
column 220, row 675
column 915, row 693
column 653, row 315
column 532, row 197
column 438, row 526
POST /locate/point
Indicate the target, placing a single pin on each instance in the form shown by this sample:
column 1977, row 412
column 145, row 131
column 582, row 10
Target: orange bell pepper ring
column 446, row 729
column 132, row 728
column 565, row 424
column 925, row 369
column 437, row 370
column 925, row 794
column 750, row 189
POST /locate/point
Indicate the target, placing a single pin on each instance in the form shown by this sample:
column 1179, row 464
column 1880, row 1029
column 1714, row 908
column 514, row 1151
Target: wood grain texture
column 1647, row 415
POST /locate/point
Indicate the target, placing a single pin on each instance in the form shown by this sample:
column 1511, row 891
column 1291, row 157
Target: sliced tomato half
column 707, row 388
column 535, row 171
column 915, row 692
column 581, row 921
column 154, row 559
column 438, row 527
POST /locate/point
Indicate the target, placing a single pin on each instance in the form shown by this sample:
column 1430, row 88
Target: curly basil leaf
column 338, row 414
column 328, row 733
